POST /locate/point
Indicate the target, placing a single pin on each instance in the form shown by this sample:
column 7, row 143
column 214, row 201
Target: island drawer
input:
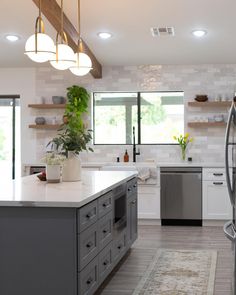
column 105, row 204
column 105, row 262
column 132, row 187
column 87, row 246
column 119, row 247
column 87, row 215
column 105, row 230
column 88, row 278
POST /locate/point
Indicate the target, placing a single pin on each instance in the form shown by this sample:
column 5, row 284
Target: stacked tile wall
column 213, row 80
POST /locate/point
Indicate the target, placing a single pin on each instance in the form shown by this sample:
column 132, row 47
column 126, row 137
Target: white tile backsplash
column 213, row 80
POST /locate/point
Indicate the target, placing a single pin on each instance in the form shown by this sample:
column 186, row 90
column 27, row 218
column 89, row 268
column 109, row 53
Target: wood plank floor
column 126, row 276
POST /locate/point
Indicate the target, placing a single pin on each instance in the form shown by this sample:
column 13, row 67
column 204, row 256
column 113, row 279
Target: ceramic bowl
column 40, row 120
column 201, row 97
column 58, row 99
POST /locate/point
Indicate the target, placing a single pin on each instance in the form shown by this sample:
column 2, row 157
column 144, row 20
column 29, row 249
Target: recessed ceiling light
column 104, row 35
column 199, row 33
column 12, row 38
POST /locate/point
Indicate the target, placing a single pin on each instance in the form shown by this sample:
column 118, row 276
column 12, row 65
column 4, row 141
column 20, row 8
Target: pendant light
column 39, row 47
column 64, row 54
column 83, row 62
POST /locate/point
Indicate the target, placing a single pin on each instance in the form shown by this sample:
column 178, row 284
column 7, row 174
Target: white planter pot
column 72, row 168
column 53, row 173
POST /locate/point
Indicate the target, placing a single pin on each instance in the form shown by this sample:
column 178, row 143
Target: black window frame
column 138, row 118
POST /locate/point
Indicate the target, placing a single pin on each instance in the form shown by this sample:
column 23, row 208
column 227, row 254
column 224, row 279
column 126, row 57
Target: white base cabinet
column 216, row 203
column 149, row 201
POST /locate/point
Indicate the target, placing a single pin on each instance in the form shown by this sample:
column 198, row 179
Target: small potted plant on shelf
column 73, row 136
column 183, row 141
column 53, row 163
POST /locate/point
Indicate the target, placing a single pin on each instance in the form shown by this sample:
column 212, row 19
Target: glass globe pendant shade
column 65, row 57
column 83, row 64
column 45, row 48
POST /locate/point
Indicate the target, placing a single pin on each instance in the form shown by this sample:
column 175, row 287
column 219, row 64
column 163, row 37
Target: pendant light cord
column 62, row 18
column 79, row 18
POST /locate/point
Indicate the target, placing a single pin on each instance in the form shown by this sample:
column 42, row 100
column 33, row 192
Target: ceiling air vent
column 162, row 31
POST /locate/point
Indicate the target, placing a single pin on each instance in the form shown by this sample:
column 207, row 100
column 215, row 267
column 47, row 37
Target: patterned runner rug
column 179, row 272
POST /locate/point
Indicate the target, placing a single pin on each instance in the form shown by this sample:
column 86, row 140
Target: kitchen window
column 156, row 116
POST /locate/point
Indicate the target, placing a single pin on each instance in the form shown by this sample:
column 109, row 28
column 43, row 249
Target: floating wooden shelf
column 210, row 104
column 45, row 126
column 47, row 106
column 206, row 124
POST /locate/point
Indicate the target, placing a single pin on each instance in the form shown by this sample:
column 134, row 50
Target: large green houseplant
column 73, row 136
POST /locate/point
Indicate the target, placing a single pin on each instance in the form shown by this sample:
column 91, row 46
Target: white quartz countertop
column 30, row 191
column 156, row 164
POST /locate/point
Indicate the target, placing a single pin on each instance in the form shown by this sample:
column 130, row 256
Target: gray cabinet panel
column 38, row 251
column 105, row 225
column 105, row 262
column 87, row 215
column 88, row 246
column 132, row 221
column 132, row 187
column 119, row 247
column 105, row 204
column 88, row 278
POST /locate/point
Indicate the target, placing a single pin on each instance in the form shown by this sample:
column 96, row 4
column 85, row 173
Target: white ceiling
column 129, row 21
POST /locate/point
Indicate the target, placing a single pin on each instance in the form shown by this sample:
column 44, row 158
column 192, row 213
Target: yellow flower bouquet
column 183, row 141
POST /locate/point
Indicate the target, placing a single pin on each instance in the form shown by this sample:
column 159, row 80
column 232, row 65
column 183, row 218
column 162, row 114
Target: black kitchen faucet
column 134, row 147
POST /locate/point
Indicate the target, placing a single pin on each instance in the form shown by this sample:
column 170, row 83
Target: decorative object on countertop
column 40, row 120
column 73, row 136
column 42, row 176
column 219, row 118
column 58, row 99
column 126, row 156
column 53, row 163
column 201, row 97
column 183, row 141
column 178, row 271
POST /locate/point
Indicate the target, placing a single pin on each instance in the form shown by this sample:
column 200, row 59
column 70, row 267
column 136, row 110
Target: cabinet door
column 216, row 204
column 132, row 215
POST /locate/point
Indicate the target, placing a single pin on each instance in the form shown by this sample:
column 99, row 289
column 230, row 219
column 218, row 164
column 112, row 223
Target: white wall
column 22, row 82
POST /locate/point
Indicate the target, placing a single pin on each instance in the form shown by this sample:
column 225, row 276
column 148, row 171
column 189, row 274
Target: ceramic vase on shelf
column 72, row 168
column 53, row 173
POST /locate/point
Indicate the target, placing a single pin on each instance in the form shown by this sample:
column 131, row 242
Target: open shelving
column 206, row 124
column 45, row 126
column 47, row 106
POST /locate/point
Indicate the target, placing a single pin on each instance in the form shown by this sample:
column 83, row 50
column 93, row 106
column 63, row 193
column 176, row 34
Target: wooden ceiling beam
column 52, row 11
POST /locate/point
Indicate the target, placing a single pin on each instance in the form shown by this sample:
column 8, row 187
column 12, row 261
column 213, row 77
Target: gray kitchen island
column 65, row 239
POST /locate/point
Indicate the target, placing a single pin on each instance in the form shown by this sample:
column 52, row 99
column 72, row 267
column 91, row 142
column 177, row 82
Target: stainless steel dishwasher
column 181, row 196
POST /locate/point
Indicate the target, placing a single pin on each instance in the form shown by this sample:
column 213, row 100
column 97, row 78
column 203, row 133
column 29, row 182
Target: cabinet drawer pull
column 105, row 262
column 129, row 189
column 218, row 183
column 218, row 174
column 104, row 231
column 119, row 247
column 135, row 185
column 89, row 215
column 89, row 245
column 134, row 202
column 89, row 281
column 105, row 205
